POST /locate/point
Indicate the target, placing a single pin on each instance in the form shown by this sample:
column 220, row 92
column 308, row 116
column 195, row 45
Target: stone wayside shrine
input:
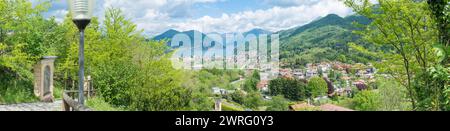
column 43, row 78
column 218, row 105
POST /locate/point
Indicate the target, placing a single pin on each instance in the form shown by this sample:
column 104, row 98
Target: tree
column 201, row 92
column 317, row 86
column 253, row 100
column 25, row 36
column 437, row 77
column 392, row 96
column 292, row 89
column 367, row 101
column 440, row 13
column 252, row 82
column 278, row 103
column 128, row 70
column 238, row 96
column 432, row 89
column 21, row 44
column 320, row 71
column 408, row 33
column 330, row 86
column 295, row 90
column 332, row 75
column 276, row 87
column 256, row 75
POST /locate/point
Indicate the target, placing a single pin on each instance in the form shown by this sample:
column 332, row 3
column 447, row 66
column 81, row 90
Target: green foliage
column 58, row 91
column 437, row 78
column 393, row 96
column 216, row 77
column 344, row 101
column 253, row 100
column 251, row 83
column 201, row 92
column 128, row 71
column 231, row 107
column 256, row 75
column 367, row 101
column 323, row 40
column 98, row 104
column 447, row 96
column 440, row 11
column 333, row 75
column 276, row 86
column 278, row 103
column 431, row 87
column 137, row 70
column 295, row 90
column 407, row 34
column 442, row 53
column 199, row 83
column 14, row 65
column 18, row 93
column 25, row 36
column 317, row 86
column 200, row 102
column 238, row 97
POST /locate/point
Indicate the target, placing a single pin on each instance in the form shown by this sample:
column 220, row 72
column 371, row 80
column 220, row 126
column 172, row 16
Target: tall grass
column 98, row 104
column 18, row 92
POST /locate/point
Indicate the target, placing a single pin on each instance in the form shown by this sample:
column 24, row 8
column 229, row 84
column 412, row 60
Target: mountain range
column 324, row 39
column 171, row 33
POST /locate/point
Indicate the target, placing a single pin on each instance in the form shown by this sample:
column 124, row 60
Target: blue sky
column 223, row 16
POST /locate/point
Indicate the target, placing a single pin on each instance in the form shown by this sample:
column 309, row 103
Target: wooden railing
column 69, row 104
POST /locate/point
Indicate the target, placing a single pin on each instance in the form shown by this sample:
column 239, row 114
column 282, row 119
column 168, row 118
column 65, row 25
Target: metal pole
column 81, row 71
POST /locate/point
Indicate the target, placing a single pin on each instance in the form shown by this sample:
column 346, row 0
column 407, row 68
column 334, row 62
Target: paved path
column 39, row 106
column 236, row 81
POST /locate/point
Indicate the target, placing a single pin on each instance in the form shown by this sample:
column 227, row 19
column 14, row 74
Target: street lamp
column 81, row 15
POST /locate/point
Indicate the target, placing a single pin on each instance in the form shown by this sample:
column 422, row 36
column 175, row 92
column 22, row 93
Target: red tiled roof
column 262, row 84
column 325, row 107
column 301, row 106
column 330, row 107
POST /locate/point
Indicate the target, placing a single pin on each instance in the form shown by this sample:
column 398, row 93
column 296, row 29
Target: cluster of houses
column 248, row 60
column 351, row 75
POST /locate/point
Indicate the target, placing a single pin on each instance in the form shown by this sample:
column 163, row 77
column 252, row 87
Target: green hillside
column 325, row 39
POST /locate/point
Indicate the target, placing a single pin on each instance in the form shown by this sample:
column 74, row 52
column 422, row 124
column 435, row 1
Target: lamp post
column 81, row 15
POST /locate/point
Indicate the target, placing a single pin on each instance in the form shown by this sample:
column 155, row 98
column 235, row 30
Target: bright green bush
column 98, row 104
column 278, row 103
column 367, row 101
column 318, row 87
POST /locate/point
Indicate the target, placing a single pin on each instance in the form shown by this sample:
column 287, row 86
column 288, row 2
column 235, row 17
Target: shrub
column 291, row 89
column 317, row 86
column 98, row 104
column 367, row 101
column 278, row 103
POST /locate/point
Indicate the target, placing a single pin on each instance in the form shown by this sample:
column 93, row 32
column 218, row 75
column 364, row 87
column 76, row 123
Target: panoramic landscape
column 227, row 55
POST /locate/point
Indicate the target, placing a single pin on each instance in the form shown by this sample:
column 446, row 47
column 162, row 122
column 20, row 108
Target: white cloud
column 157, row 16
column 290, row 3
column 138, row 8
column 273, row 19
